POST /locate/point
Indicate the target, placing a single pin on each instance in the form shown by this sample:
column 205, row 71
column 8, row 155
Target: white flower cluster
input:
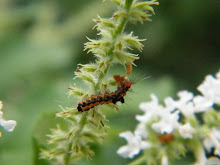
column 8, row 125
column 166, row 120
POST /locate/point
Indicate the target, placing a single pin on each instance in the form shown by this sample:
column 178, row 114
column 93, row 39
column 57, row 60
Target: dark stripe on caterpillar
column 114, row 97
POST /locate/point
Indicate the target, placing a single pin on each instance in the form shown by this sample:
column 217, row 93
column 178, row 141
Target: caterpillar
column 107, row 98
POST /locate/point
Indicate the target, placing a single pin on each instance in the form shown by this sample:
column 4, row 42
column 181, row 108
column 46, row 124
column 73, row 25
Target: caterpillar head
column 128, row 83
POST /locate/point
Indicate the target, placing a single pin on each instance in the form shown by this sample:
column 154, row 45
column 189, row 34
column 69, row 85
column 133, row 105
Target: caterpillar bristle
column 107, row 98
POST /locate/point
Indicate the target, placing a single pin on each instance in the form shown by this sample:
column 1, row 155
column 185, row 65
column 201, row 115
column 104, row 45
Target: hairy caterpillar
column 106, row 98
column 123, row 86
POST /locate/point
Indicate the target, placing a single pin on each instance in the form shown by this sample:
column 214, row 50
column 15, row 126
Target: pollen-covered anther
column 115, row 15
column 78, row 69
column 96, row 21
column 101, row 65
column 65, row 112
column 155, row 3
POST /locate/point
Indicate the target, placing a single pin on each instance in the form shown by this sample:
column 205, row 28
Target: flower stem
column 139, row 160
column 128, row 4
column 119, row 30
column 67, row 156
column 121, row 26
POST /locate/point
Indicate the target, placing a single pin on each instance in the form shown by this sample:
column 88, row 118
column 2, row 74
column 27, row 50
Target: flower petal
column 9, row 125
column 124, row 151
column 186, row 131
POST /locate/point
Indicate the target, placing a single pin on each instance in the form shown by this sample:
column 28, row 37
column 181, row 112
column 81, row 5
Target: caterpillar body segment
column 106, row 98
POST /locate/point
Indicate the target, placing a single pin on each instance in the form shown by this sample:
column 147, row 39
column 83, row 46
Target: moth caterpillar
column 106, row 98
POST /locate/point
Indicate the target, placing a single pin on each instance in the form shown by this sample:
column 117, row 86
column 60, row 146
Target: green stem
column 67, row 156
column 119, row 30
column 139, row 160
column 121, row 26
column 128, row 4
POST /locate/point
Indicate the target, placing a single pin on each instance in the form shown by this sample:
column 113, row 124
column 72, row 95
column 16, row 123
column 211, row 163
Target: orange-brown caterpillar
column 106, row 98
column 123, row 86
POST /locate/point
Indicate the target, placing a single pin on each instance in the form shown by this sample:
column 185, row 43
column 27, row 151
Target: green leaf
column 123, row 57
column 133, row 41
column 86, row 77
column 144, row 6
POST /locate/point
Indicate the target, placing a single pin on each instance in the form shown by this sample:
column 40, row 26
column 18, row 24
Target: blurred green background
column 41, row 43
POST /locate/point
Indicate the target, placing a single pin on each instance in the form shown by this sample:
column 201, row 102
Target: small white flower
column 8, row 125
column 187, row 109
column 184, row 104
column 147, row 106
column 134, row 146
column 218, row 75
column 164, row 160
column 186, row 131
column 141, row 131
column 1, row 105
column 208, row 144
column 184, row 96
column 213, row 141
column 151, row 109
column 170, row 103
column 213, row 161
column 201, row 158
column 167, row 123
column 210, row 88
column 165, row 119
column 201, row 103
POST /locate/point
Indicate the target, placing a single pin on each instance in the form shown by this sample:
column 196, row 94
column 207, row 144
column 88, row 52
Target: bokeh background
column 41, row 43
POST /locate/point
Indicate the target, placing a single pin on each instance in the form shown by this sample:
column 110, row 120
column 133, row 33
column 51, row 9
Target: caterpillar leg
column 122, row 100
